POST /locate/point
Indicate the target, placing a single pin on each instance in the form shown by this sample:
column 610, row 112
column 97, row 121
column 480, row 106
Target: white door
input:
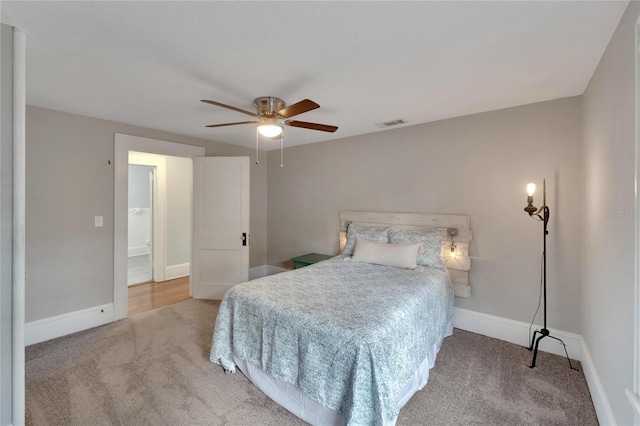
column 220, row 243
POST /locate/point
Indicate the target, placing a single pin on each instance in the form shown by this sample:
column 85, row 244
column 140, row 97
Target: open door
column 220, row 243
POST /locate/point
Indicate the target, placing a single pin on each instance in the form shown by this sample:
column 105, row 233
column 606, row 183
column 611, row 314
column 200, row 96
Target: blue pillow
column 378, row 235
column 431, row 240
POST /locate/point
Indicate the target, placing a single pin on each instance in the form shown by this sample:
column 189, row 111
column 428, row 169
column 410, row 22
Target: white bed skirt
column 292, row 398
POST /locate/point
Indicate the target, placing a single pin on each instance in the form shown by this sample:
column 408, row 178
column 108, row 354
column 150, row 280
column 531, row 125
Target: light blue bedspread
column 348, row 334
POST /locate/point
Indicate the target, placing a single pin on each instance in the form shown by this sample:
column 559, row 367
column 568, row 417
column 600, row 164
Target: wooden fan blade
column 298, row 108
column 230, row 124
column 253, row 114
column 312, row 126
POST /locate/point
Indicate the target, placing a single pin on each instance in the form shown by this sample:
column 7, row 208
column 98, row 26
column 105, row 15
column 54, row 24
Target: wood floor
column 147, row 296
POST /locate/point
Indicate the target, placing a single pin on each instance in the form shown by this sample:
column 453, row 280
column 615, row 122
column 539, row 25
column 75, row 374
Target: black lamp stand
column 544, row 332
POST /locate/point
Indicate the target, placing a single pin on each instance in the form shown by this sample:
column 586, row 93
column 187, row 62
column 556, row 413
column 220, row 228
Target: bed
column 351, row 339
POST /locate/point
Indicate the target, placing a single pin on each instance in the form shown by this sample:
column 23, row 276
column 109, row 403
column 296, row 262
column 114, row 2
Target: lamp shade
column 531, row 189
column 270, row 130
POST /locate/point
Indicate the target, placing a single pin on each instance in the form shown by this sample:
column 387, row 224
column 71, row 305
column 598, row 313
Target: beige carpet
column 153, row 369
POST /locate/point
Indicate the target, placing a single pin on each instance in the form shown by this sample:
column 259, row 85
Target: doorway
column 140, row 222
column 124, row 144
column 159, row 230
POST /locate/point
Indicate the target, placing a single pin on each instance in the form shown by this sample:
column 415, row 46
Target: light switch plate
column 98, row 220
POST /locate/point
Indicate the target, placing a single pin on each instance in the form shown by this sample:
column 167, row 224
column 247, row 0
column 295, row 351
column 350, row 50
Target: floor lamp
column 543, row 215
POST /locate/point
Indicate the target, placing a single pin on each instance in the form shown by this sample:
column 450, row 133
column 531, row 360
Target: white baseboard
column 137, row 250
column 264, row 270
column 634, row 399
column 72, row 322
column 598, row 395
column 518, row 332
column 177, row 271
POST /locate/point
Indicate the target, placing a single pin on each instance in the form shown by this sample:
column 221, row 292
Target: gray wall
column 6, row 218
column 139, row 186
column 609, row 247
column 70, row 179
column 179, row 184
column 476, row 165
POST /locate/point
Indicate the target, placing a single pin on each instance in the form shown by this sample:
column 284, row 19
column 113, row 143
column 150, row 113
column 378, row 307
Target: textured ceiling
column 149, row 63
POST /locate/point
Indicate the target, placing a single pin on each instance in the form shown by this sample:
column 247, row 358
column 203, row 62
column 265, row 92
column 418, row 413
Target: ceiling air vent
column 390, row 123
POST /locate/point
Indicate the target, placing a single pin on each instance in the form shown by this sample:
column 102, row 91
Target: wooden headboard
column 458, row 266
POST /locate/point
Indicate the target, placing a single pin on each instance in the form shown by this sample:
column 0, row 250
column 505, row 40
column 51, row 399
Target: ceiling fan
column 271, row 115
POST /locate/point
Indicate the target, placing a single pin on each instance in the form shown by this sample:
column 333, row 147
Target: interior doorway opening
column 159, row 229
column 140, row 221
column 125, row 147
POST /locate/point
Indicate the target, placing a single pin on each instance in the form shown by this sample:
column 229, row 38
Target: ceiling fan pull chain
column 282, row 149
column 257, row 138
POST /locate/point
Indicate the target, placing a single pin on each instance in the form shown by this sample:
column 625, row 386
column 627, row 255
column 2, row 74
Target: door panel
column 220, row 217
column 222, row 266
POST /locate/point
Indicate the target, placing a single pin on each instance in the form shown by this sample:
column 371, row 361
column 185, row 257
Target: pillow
column 398, row 255
column 431, row 241
column 379, row 235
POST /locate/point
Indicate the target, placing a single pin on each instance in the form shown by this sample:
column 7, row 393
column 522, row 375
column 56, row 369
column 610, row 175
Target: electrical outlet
column 98, row 220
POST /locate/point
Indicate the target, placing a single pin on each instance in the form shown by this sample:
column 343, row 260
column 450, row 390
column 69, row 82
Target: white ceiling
column 150, row 63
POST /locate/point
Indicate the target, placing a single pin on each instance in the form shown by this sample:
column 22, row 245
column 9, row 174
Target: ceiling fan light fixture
column 271, row 115
column 270, row 130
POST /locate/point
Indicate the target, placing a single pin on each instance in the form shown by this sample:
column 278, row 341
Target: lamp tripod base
column 535, row 342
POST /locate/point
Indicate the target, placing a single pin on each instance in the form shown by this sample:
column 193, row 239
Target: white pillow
column 398, row 255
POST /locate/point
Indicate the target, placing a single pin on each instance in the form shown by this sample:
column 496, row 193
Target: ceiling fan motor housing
column 268, row 106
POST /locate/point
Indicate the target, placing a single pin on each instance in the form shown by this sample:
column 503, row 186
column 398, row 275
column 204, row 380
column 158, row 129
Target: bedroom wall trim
column 598, row 394
column 517, row 332
column 71, row 322
column 632, row 395
column 18, row 256
column 177, row 271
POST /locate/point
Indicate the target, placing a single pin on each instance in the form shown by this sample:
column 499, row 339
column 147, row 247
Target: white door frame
column 633, row 395
column 124, row 144
column 158, row 210
column 19, row 110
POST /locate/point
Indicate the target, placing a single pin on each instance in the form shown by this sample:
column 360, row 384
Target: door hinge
column 245, row 239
